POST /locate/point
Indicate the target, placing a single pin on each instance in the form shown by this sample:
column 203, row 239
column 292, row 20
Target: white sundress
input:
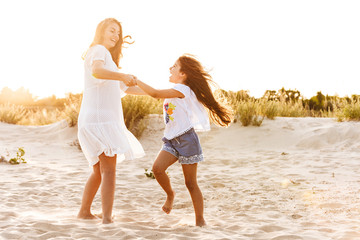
column 101, row 126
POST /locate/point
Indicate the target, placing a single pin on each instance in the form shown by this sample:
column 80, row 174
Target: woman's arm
column 155, row 93
column 98, row 71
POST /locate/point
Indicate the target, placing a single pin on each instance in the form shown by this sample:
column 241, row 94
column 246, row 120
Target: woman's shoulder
column 96, row 51
column 98, row 47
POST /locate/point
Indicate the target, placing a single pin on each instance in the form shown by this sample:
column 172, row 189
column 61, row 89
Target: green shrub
column 19, row 157
column 149, row 174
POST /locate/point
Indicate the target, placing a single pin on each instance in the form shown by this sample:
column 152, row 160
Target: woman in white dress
column 102, row 133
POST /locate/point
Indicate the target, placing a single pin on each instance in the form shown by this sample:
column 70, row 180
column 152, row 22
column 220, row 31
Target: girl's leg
column 108, row 175
column 162, row 162
column 91, row 187
column 189, row 171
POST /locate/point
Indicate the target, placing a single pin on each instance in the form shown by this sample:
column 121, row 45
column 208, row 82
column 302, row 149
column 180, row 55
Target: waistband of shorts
column 182, row 133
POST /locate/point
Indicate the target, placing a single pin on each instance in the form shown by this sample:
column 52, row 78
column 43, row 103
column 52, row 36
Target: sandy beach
column 291, row 178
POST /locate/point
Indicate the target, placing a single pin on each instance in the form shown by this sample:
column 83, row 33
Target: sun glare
column 250, row 46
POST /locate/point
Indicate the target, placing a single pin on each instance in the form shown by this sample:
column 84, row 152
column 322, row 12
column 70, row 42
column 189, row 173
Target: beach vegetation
column 149, row 174
column 72, row 109
column 135, row 108
column 349, row 109
column 19, row 158
column 249, row 113
column 12, row 113
column 21, row 107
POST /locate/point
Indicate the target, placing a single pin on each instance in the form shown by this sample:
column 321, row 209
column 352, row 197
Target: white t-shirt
column 182, row 114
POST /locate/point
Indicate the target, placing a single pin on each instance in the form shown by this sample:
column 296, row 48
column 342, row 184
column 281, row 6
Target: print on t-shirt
column 169, row 110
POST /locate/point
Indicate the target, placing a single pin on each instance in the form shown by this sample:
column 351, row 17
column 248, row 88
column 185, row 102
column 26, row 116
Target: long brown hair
column 116, row 51
column 199, row 80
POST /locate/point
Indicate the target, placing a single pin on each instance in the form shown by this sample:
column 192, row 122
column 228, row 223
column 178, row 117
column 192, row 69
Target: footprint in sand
column 271, row 228
column 8, row 215
column 182, row 205
column 287, row 237
column 10, row 204
column 29, row 184
column 218, row 185
column 234, row 228
column 331, row 205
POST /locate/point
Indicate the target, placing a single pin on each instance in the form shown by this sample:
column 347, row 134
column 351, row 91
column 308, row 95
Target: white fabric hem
column 121, row 156
column 97, row 139
column 191, row 159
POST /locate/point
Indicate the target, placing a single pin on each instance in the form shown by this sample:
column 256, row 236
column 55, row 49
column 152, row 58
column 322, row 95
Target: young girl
column 101, row 129
column 183, row 112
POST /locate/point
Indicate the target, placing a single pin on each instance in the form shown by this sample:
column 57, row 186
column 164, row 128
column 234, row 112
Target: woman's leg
column 162, row 162
column 190, row 171
column 108, row 175
column 91, row 187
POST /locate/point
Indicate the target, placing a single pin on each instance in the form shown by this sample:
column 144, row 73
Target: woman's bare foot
column 168, row 203
column 200, row 222
column 86, row 216
column 107, row 220
column 100, row 215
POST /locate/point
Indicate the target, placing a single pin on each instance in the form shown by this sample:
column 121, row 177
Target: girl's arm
column 135, row 91
column 98, row 71
column 156, row 93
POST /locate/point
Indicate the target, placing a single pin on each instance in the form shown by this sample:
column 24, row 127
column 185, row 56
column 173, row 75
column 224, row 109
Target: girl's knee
column 191, row 185
column 157, row 169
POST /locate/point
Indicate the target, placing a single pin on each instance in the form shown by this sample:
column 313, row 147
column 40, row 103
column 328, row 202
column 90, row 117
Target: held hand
column 130, row 80
column 133, row 82
column 136, row 81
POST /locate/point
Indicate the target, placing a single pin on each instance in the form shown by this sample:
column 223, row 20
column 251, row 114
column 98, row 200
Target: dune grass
column 247, row 110
column 135, row 108
column 252, row 112
column 11, row 113
column 348, row 110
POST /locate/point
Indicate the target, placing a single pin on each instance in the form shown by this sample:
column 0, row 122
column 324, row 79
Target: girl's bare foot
column 168, row 203
column 86, row 216
column 200, row 223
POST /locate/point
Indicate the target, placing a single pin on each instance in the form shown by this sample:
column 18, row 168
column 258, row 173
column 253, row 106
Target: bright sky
column 308, row 45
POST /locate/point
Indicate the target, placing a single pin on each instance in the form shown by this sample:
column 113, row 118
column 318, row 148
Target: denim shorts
column 185, row 147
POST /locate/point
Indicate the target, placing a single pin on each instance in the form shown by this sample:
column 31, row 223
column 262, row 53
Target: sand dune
column 291, row 178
